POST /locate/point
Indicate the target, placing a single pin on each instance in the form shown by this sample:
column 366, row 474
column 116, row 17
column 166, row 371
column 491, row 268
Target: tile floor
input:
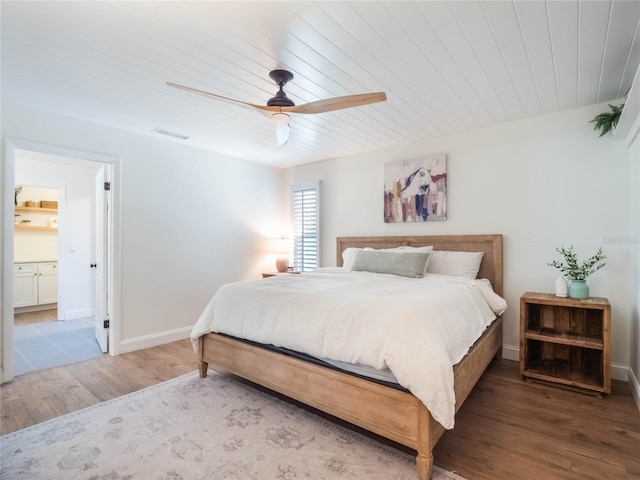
column 50, row 344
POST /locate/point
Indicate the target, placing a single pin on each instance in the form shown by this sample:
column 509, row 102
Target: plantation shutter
column 305, row 212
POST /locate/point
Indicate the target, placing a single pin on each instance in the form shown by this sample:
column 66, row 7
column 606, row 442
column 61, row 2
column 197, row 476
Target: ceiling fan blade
column 321, row 106
column 337, row 103
column 220, row 97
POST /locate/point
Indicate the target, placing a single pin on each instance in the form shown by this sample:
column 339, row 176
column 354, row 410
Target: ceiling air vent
column 160, row 131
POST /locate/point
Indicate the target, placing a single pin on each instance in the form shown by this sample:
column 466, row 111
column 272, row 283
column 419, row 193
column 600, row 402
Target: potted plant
column 577, row 272
column 607, row 121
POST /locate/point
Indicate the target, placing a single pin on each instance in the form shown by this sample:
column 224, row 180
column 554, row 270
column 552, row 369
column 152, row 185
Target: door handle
column 94, row 265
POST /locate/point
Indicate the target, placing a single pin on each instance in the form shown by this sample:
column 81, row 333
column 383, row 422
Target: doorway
column 42, row 339
column 72, row 243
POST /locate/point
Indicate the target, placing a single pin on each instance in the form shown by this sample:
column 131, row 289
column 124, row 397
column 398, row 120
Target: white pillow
column 348, row 256
column 406, row 264
column 457, row 264
column 404, row 248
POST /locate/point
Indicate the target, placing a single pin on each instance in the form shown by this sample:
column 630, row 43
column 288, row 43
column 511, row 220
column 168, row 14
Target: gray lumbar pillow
column 405, row 264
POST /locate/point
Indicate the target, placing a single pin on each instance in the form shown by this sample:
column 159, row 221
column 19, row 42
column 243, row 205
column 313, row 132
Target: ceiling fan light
column 282, row 128
column 280, row 118
column 282, row 134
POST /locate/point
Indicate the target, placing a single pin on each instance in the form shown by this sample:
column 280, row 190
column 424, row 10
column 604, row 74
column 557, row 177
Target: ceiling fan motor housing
column 281, row 77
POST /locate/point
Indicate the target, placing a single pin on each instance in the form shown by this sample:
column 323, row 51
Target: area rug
column 217, row 428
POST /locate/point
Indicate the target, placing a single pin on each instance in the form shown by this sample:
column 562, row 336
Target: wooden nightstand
column 275, row 274
column 566, row 341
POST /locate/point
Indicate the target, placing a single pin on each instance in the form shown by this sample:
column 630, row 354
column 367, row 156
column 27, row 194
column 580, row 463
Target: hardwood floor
column 507, row 428
column 39, row 316
column 511, row 429
column 35, row 397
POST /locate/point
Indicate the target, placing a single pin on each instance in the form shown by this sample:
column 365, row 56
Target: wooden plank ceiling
column 445, row 66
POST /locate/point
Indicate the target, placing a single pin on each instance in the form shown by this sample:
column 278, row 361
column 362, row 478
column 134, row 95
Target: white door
column 102, row 236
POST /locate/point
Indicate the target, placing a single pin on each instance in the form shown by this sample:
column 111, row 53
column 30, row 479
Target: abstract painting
column 416, row 190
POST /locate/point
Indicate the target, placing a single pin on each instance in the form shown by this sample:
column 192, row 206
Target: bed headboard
column 491, row 245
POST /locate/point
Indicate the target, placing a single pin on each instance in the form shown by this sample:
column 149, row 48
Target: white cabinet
column 35, row 284
column 25, row 284
column 47, row 283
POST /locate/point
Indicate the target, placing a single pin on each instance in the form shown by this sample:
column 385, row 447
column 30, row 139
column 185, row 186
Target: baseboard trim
column 35, row 308
column 75, row 314
column 147, row 341
column 620, row 372
column 635, row 387
column 509, row 352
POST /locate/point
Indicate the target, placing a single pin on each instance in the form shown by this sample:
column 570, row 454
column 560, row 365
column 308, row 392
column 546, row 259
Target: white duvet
column 418, row 328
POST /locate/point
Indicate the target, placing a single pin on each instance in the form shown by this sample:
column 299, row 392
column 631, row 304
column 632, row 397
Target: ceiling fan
column 280, row 107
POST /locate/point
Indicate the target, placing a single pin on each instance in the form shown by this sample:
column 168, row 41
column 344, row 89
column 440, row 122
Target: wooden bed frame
column 391, row 413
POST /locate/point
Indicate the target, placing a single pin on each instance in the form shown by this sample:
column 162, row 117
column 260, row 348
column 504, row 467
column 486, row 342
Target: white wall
column 189, row 221
column 541, row 182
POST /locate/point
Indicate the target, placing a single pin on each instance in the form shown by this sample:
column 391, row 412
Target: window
column 305, row 219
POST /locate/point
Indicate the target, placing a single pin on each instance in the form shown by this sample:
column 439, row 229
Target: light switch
column 72, row 248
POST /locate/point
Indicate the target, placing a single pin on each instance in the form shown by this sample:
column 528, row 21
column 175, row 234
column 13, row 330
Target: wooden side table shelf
column 565, row 341
column 273, row 274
